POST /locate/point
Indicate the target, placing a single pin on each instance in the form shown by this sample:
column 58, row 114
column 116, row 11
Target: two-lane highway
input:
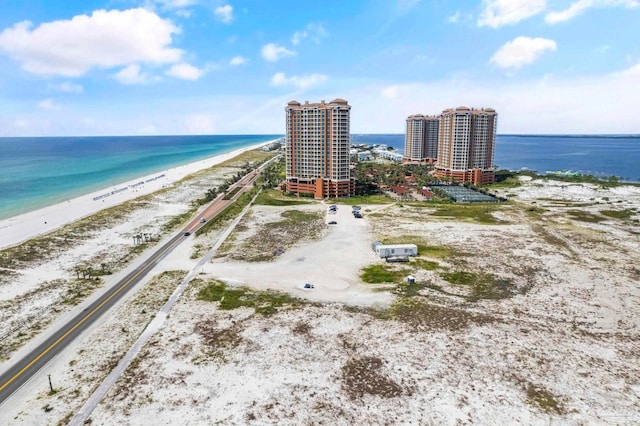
column 24, row 369
column 18, row 374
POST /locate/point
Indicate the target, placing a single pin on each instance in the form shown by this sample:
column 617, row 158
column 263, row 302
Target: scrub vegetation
column 264, row 302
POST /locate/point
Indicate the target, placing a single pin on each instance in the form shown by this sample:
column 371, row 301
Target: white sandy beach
column 562, row 351
column 28, row 225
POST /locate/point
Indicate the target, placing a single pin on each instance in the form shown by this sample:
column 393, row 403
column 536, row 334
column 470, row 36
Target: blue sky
column 127, row 67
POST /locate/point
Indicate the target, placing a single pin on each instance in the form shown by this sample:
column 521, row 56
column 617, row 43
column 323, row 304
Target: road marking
column 144, row 269
column 43, row 353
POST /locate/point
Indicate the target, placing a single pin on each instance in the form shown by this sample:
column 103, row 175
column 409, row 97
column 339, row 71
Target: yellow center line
column 146, row 269
column 43, row 353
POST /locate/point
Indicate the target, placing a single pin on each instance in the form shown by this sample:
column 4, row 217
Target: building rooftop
column 471, row 110
column 322, row 104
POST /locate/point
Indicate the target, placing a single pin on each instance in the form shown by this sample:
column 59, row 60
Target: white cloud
column 238, row 60
column 66, row 87
column 224, row 13
column 633, row 72
column 521, row 51
column 546, row 105
column 315, row 32
column 177, row 4
column 581, row 5
column 570, row 12
column 300, row 82
column 200, row 124
column 272, row 52
column 131, row 75
column 553, row 104
column 497, row 13
column 185, row 72
column 105, row 39
column 49, row 105
column 455, row 18
column 390, row 92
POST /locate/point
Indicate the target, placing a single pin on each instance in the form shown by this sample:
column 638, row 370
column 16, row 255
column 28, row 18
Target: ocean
column 598, row 155
column 37, row 172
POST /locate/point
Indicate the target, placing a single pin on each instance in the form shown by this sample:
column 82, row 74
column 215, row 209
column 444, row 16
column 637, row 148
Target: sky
column 158, row 67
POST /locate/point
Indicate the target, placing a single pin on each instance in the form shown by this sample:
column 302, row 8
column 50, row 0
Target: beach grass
column 478, row 213
column 424, row 315
column 508, row 183
column 229, row 213
column 272, row 239
column 483, row 285
column 619, row 214
column 274, row 197
column 426, row 265
column 252, row 156
column 585, row 216
column 551, row 237
column 180, row 219
column 378, row 274
column 297, row 216
column 40, row 249
column 362, row 199
column 542, row 398
column 264, row 302
column 229, row 195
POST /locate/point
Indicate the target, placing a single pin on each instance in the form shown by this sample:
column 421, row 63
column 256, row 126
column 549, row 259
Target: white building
column 393, row 250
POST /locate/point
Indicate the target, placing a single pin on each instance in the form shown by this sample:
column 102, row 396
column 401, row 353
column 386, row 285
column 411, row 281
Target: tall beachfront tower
column 421, row 139
column 466, row 145
column 317, row 149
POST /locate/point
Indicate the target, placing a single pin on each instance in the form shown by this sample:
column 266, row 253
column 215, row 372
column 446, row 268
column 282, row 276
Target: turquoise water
column 598, row 155
column 37, row 172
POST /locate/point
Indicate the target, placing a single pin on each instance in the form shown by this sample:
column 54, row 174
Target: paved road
column 24, row 369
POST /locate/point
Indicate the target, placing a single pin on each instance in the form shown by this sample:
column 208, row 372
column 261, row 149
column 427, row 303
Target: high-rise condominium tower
column 421, row 139
column 466, row 145
column 317, row 149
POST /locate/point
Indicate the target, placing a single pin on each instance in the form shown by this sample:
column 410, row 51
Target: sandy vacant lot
column 526, row 313
column 331, row 263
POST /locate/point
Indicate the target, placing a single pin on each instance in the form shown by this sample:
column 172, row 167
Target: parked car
column 333, row 222
column 307, row 285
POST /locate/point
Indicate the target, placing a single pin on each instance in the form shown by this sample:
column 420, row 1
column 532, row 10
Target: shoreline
column 19, row 228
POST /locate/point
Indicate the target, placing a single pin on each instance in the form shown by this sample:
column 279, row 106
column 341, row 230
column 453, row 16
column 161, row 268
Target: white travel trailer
column 393, row 250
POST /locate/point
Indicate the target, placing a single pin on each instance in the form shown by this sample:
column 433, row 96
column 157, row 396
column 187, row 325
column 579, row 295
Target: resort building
column 466, row 145
column 317, row 146
column 421, row 139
